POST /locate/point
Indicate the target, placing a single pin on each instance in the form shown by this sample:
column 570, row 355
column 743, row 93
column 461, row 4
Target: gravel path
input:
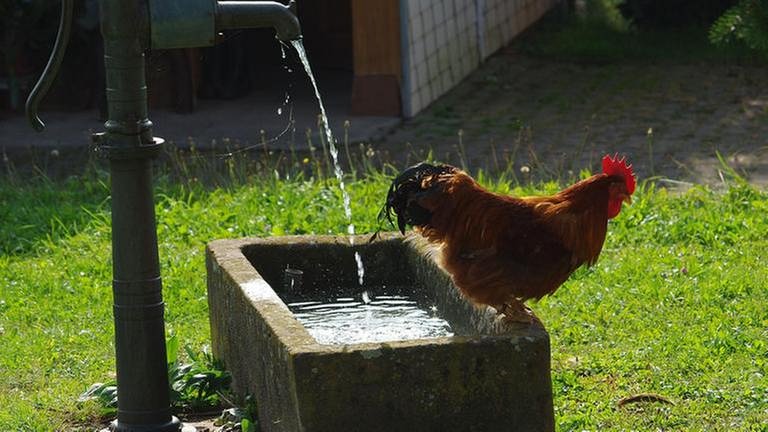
column 670, row 120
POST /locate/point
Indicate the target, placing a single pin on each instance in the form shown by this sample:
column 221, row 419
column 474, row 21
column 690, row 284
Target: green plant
column 105, row 396
column 197, row 385
column 745, row 22
column 600, row 34
column 605, row 13
column 250, row 418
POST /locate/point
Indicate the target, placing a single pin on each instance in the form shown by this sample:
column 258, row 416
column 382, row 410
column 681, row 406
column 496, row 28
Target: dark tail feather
column 400, row 201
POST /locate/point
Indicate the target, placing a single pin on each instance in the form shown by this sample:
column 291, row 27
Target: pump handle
column 52, row 68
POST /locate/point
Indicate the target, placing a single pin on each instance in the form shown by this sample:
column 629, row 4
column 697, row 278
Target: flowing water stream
column 376, row 315
column 299, row 47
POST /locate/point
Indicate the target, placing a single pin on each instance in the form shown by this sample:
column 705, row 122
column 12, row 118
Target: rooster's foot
column 517, row 312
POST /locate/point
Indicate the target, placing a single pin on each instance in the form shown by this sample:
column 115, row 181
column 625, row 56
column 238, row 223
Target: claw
column 517, row 312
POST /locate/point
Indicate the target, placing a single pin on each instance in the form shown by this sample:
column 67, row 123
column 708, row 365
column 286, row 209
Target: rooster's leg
column 516, row 311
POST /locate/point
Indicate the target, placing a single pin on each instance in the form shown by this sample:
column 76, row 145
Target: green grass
column 675, row 306
column 602, row 36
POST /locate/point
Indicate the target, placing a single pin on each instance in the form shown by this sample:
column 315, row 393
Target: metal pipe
column 233, row 15
column 142, row 377
column 52, row 67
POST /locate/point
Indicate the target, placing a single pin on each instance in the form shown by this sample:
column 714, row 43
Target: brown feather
column 500, row 247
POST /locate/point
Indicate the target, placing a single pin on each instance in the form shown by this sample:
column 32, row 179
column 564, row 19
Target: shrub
column 746, row 22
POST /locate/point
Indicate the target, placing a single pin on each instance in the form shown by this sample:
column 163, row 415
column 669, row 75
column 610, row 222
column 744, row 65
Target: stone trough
column 490, row 375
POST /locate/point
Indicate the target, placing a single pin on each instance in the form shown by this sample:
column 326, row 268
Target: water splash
column 299, row 47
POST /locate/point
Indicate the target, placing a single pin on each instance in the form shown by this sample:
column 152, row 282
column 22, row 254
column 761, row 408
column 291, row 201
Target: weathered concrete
column 490, row 376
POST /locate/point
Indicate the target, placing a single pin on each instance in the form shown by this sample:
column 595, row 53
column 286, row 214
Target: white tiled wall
column 447, row 39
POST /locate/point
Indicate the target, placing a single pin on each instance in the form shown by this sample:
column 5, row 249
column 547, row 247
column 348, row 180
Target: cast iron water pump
column 130, row 28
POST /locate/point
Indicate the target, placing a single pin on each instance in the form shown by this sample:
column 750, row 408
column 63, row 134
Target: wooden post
column 376, row 54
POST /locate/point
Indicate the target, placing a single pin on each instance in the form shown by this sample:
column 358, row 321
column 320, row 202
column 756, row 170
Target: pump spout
column 233, row 15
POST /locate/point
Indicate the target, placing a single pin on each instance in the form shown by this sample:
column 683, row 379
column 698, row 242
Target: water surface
column 369, row 318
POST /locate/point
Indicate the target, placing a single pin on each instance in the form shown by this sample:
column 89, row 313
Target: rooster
column 501, row 250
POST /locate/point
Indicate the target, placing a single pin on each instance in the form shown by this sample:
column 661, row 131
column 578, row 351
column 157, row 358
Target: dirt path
column 670, row 120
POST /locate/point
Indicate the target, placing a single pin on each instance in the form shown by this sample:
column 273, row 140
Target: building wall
column 444, row 40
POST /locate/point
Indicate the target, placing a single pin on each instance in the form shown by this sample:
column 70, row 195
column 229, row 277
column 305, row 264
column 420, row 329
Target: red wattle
column 614, row 207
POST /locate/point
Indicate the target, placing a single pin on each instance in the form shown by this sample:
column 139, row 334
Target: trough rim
column 230, row 256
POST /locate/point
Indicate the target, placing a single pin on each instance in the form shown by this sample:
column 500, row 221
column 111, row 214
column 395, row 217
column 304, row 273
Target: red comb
column 620, row 167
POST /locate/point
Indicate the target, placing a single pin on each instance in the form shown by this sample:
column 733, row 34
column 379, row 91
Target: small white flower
column 525, row 169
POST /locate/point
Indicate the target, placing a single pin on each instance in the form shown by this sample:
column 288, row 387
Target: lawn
column 674, row 307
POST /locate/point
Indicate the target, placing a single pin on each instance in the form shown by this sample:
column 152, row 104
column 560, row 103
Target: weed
column 649, row 143
column 199, row 385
